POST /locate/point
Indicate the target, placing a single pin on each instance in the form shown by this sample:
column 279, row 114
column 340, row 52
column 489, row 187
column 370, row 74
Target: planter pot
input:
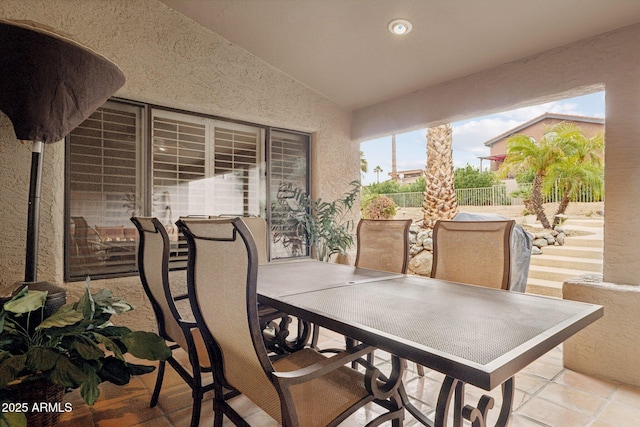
column 40, row 401
column 530, row 219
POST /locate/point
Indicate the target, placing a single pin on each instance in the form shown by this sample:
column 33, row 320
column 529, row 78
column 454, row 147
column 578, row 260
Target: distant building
column 409, row 176
column 536, row 128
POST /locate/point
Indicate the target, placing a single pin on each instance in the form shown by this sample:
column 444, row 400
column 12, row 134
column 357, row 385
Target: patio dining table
column 471, row 334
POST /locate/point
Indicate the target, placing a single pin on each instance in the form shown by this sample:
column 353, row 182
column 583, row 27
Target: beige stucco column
column 610, row 348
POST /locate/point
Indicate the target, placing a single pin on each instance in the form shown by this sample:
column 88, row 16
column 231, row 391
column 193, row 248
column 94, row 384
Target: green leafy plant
column 77, row 346
column 378, row 207
column 302, row 220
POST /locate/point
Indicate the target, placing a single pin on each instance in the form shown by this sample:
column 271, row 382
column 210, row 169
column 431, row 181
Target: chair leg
column 158, row 386
column 218, row 414
column 197, row 406
column 420, row 370
column 315, row 335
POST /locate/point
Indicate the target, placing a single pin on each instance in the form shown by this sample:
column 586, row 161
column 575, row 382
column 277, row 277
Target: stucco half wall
column 610, row 347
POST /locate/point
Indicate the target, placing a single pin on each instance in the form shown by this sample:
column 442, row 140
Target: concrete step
column 584, row 222
column 579, row 255
column 556, row 274
column 573, row 251
column 548, row 288
column 567, row 262
column 583, row 242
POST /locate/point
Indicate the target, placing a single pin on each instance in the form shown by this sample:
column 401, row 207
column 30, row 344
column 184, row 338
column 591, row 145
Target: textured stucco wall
column 168, row 60
column 610, row 60
column 610, row 347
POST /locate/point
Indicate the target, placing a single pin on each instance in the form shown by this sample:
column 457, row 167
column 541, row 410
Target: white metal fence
column 496, row 195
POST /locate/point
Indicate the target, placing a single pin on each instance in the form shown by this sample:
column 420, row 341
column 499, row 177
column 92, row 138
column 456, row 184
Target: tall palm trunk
column 394, row 170
column 440, row 196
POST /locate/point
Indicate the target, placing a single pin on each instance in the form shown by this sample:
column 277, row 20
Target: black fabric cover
column 49, row 83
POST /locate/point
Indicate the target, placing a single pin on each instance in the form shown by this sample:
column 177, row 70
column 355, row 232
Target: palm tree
column 583, row 167
column 377, row 170
column 439, row 196
column 364, row 165
column 549, row 158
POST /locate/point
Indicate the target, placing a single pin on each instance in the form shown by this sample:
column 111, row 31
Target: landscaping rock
column 421, row 263
column 540, row 242
column 415, row 249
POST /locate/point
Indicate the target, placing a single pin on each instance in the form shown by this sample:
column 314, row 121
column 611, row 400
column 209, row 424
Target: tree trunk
column 562, row 207
column 440, row 196
column 394, row 170
column 537, row 202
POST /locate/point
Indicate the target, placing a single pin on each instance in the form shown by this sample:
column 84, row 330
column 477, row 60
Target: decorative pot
column 40, row 400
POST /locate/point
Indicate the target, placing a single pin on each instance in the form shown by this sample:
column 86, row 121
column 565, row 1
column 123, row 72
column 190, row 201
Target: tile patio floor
column 546, row 395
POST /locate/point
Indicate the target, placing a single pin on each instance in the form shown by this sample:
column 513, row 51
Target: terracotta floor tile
column 156, row 422
column 586, row 383
column 80, row 415
column 620, row 415
column 546, row 369
column 627, row 395
column 424, row 389
column 572, row 398
column 127, row 412
column 519, row 421
column 599, row 423
column 111, row 393
column 552, row 414
column 528, row 383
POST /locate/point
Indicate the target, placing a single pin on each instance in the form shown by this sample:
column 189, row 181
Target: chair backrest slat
column 473, row 252
column 383, row 245
column 153, row 261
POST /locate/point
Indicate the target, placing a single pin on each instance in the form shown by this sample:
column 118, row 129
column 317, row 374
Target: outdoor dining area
column 471, row 336
column 159, row 159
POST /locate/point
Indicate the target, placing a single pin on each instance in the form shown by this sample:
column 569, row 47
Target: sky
column 469, row 136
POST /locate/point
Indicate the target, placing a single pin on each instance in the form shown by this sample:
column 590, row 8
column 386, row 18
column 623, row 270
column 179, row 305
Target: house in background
column 408, row 176
column 535, row 128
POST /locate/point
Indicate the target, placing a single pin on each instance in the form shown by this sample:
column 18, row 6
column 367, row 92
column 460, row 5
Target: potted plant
column 305, row 221
column 75, row 347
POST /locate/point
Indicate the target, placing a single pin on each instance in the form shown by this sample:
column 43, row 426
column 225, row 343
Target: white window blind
column 179, row 159
column 203, row 166
column 103, row 183
column 289, row 157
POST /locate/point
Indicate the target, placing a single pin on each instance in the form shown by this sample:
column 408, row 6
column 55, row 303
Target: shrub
column 378, row 207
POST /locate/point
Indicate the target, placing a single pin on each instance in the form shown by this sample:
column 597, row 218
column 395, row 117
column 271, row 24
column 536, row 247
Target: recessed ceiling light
column 400, row 27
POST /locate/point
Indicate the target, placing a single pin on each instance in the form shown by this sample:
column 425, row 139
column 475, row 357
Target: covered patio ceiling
column 343, row 50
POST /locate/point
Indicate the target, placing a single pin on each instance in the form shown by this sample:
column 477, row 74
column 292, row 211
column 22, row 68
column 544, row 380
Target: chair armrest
column 377, row 384
column 323, row 367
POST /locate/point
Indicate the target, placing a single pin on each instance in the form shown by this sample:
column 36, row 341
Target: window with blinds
column 103, row 183
column 179, row 164
column 289, row 165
